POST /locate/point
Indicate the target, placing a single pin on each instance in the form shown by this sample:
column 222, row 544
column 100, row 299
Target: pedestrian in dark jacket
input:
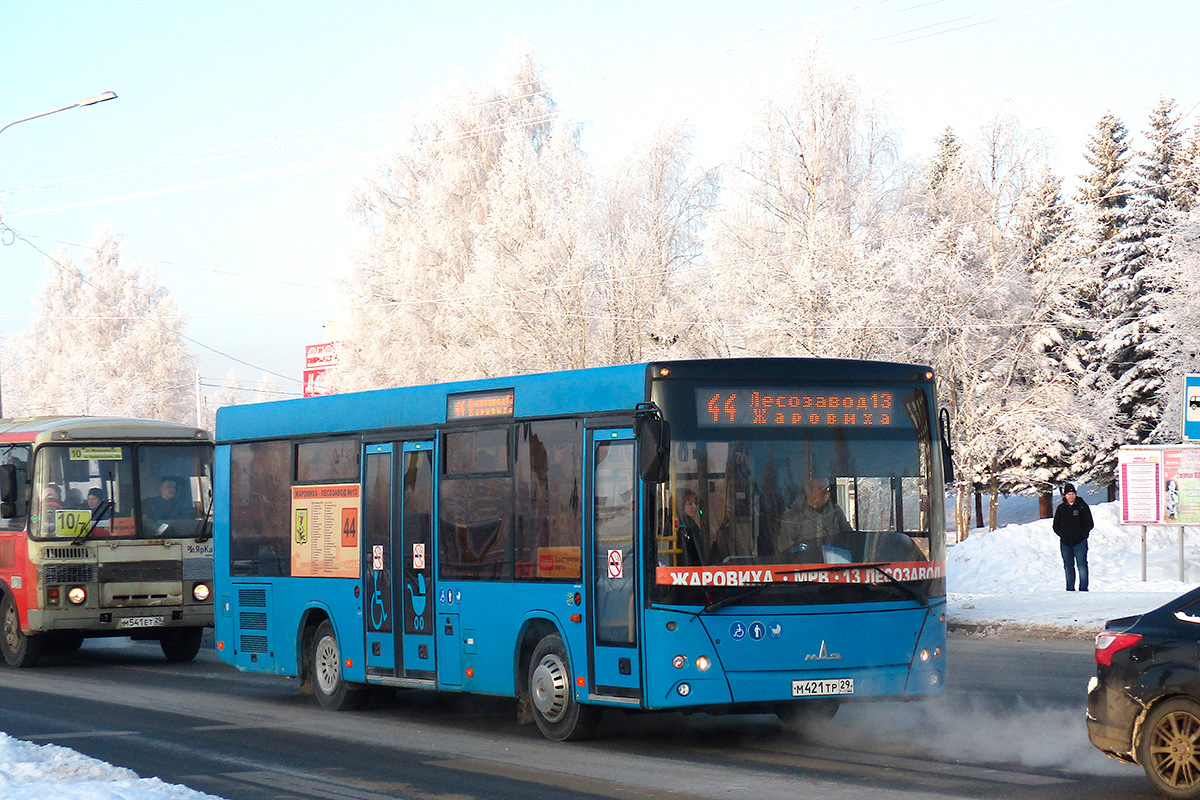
column 1073, row 523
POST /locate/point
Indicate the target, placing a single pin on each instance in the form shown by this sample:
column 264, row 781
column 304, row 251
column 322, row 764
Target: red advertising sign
column 318, row 360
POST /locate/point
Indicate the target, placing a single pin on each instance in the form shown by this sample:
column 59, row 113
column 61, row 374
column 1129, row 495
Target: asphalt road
column 1010, row 726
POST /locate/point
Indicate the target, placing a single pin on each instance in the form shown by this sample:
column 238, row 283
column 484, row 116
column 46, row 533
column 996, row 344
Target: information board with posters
column 1160, row 484
column 325, row 541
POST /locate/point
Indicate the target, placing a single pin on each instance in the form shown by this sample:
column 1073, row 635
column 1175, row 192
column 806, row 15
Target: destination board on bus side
column 479, row 405
column 780, row 407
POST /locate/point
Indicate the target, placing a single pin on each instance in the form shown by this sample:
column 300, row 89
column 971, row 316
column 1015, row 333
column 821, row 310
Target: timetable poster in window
column 325, row 539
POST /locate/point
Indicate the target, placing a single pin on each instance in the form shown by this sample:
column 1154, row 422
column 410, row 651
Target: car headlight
column 77, row 594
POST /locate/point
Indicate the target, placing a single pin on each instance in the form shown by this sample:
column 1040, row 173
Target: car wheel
column 20, row 649
column 552, row 694
column 1168, row 749
column 332, row 691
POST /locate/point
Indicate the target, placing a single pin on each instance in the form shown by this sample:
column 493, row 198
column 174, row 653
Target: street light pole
column 91, row 101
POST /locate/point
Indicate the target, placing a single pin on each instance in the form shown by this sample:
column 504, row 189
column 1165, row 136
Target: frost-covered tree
column 104, row 339
column 414, row 291
column 967, row 290
column 1130, row 348
column 801, row 207
column 1105, row 190
column 650, row 280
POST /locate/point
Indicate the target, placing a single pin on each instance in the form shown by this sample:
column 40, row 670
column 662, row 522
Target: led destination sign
column 498, row 403
column 775, row 407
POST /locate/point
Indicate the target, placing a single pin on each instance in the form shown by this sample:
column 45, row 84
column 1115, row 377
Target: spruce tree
column 1132, row 292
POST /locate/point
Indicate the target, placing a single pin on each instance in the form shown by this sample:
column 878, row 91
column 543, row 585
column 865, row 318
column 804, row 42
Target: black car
column 1144, row 703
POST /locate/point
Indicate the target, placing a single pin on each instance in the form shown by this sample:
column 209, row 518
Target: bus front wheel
column 181, row 644
column 552, row 694
column 20, row 649
column 332, row 690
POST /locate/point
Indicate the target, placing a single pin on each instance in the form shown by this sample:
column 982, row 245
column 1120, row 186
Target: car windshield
column 122, row 491
column 815, row 507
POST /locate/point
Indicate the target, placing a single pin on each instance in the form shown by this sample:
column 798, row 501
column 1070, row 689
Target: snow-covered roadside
column 49, row 772
column 1013, row 576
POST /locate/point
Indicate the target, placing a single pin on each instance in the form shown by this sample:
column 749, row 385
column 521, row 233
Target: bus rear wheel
column 552, row 694
column 20, row 649
column 181, row 644
column 332, row 690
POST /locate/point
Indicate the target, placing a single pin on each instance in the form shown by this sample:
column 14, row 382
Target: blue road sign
column 1191, row 408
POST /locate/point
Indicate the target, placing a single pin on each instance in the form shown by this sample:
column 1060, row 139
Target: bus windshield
column 836, row 512
column 122, row 491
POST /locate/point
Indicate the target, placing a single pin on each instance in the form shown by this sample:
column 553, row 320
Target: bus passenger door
column 377, row 561
column 615, row 667
column 414, row 562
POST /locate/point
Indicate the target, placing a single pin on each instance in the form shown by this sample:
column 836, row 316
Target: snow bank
column 49, row 772
column 1014, row 575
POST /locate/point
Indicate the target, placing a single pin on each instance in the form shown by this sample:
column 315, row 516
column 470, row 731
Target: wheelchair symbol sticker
column 737, row 630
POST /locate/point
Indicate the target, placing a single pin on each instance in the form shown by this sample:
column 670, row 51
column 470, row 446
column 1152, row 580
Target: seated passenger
column 693, row 543
column 812, row 521
column 51, row 502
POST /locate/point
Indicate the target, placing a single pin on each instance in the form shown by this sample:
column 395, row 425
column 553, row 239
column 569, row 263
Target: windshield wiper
column 729, row 600
column 205, row 531
column 878, row 567
column 98, row 514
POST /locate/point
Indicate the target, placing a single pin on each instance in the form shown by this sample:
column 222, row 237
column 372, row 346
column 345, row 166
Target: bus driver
column 813, row 520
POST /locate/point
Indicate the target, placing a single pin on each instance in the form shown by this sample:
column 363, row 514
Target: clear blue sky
column 240, row 129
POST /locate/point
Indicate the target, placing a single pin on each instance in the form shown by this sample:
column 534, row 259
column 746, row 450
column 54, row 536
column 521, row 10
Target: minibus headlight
column 76, row 594
column 200, row 592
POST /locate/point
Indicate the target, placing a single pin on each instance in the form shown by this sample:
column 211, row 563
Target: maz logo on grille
column 823, row 655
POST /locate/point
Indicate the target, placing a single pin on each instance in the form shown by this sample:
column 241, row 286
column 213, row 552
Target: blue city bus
column 740, row 535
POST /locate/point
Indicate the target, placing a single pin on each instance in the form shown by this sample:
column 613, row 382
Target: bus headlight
column 200, row 592
column 702, row 663
column 924, row 654
column 77, row 594
column 679, row 662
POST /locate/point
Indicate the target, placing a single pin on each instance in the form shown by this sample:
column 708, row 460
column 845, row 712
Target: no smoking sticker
column 616, row 564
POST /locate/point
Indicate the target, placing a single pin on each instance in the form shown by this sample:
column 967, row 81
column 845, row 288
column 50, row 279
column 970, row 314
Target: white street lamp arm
column 100, row 98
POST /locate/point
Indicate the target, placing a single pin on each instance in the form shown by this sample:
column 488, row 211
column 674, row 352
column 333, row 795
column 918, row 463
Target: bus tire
column 333, row 692
column 181, row 644
column 20, row 649
column 552, row 694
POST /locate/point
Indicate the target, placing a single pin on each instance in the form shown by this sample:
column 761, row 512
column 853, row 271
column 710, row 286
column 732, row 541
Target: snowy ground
column 1013, row 576
column 49, row 772
column 1010, row 579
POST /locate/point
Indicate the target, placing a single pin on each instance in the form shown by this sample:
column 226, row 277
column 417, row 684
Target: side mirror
column 8, row 491
column 947, row 452
column 653, row 443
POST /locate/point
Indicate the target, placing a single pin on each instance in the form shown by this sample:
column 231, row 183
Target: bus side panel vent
column 252, row 620
column 252, row 598
column 254, row 644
